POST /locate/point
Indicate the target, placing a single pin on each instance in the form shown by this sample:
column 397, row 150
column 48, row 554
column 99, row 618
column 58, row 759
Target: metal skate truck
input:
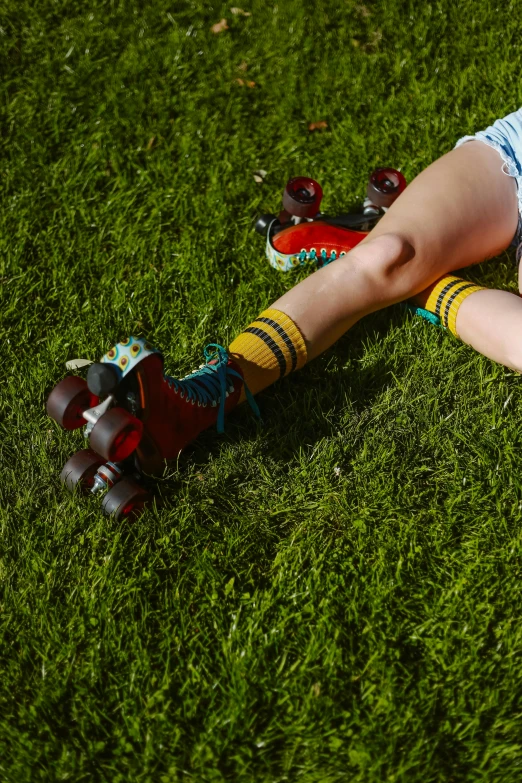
column 136, row 418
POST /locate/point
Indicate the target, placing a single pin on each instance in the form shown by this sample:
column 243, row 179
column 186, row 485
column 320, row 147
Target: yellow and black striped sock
column 270, row 348
column 445, row 298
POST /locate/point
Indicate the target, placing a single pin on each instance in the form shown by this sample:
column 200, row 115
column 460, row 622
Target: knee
column 391, row 249
column 390, row 260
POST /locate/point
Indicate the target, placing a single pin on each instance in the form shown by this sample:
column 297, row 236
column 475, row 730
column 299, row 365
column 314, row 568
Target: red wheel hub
column 302, row 197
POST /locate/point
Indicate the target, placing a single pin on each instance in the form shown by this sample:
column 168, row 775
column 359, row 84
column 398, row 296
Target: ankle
column 269, row 348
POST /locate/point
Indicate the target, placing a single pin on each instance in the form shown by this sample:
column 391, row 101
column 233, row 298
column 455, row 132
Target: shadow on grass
column 298, row 412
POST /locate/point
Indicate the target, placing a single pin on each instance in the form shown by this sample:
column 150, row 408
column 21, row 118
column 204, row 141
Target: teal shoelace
column 211, row 384
column 321, row 259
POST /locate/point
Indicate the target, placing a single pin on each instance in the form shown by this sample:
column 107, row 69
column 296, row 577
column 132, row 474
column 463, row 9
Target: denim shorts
column 505, row 136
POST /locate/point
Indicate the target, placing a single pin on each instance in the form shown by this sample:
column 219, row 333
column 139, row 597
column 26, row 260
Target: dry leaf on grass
column 375, row 37
column 240, row 12
column 76, row 364
column 219, row 27
column 243, row 67
column 312, row 126
column 257, row 178
column 260, row 173
column 245, row 83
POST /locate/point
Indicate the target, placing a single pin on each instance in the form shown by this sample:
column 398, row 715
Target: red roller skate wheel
column 68, row 400
column 385, row 186
column 80, row 469
column 126, row 499
column 116, row 434
column 302, row 197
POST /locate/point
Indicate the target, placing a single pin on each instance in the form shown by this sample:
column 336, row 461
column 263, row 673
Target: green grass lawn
column 334, row 595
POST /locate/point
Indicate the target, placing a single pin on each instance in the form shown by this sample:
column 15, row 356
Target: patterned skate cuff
column 128, row 353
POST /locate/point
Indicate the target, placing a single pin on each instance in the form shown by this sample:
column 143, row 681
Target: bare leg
column 491, row 322
column 459, row 211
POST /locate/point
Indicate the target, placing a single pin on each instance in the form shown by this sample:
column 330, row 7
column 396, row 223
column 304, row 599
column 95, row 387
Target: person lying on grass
column 462, row 209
